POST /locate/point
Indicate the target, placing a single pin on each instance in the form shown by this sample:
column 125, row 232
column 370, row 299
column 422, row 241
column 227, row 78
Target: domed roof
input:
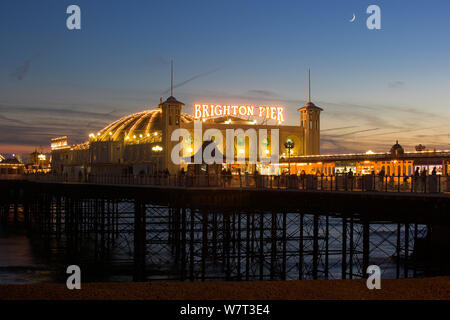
column 397, row 149
column 144, row 122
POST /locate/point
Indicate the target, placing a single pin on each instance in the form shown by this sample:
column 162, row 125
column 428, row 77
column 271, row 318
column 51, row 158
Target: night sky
column 375, row 86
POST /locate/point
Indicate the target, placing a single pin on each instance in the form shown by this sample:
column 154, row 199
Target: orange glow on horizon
column 20, row 148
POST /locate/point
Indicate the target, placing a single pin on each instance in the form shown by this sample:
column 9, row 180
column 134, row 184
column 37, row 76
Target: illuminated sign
column 206, row 111
column 59, row 143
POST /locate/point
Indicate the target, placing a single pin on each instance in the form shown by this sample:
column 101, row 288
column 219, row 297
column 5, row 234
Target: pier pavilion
column 395, row 162
column 141, row 143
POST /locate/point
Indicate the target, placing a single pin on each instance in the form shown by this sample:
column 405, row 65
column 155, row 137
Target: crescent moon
column 353, row 18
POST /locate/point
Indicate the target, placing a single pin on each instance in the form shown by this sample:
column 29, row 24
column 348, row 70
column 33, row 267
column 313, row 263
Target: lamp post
column 289, row 144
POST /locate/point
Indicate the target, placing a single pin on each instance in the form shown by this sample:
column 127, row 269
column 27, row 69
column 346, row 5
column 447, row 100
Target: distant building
column 11, row 166
column 420, row 147
column 393, row 163
column 38, row 162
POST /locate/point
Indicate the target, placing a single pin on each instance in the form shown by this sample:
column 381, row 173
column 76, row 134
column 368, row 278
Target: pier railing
column 337, row 182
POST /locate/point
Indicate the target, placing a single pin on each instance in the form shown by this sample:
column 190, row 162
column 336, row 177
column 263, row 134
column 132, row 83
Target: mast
column 309, row 85
column 171, row 77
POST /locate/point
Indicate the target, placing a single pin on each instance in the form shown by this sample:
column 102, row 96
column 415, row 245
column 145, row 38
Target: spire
column 309, row 85
column 171, row 78
column 309, row 104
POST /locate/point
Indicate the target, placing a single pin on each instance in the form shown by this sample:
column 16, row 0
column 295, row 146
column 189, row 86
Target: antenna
column 171, row 77
column 309, row 85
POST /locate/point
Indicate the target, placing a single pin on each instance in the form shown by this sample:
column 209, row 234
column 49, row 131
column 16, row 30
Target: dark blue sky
column 375, row 86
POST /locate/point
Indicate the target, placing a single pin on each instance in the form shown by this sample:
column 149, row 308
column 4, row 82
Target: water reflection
column 18, row 262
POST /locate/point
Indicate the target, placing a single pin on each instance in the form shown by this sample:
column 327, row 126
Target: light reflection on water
column 18, row 264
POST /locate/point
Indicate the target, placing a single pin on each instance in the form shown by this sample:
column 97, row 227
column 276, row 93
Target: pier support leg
column 344, row 248
column 261, row 246
column 139, row 241
column 183, row 244
column 366, row 247
column 300, row 249
column 204, row 242
column 191, row 245
column 315, row 247
column 284, row 240
column 406, row 266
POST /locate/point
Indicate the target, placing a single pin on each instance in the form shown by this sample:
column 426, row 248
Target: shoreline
column 436, row 288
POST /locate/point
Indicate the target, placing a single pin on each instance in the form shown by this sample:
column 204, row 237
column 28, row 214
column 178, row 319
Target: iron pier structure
column 179, row 233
